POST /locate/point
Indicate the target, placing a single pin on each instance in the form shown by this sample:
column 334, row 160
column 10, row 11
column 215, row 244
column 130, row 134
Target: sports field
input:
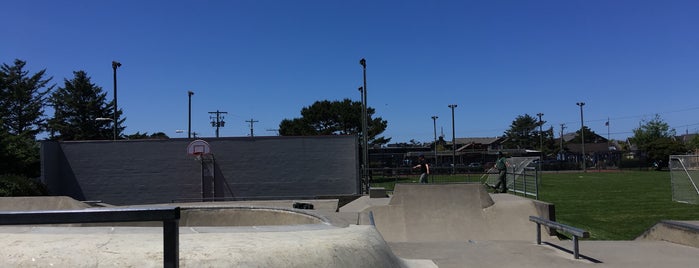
column 617, row 205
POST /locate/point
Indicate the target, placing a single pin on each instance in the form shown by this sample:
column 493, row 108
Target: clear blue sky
column 265, row 60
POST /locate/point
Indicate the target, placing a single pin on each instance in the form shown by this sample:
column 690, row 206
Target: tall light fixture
column 189, row 128
column 582, row 134
column 453, row 140
column 541, row 140
column 115, row 65
column 365, row 131
column 434, row 120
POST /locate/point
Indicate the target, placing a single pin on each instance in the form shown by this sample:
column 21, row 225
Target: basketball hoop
column 197, row 148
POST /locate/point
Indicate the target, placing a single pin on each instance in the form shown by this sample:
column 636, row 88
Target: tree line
column 81, row 111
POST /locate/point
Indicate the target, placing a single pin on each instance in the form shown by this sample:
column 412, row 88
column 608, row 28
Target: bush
column 16, row 185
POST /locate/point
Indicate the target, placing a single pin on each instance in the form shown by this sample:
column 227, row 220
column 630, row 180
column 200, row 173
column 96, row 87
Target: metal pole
column 365, row 127
column 541, row 140
column 563, row 126
column 189, row 128
column 115, row 65
column 453, row 140
column 582, row 134
column 434, row 119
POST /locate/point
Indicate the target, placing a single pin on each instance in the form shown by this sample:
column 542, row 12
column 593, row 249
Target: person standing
column 424, row 168
column 501, row 165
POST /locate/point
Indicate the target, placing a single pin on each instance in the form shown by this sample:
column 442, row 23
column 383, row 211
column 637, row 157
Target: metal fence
column 522, row 176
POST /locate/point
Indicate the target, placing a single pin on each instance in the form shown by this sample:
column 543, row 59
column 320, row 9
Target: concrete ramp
column 40, row 203
column 679, row 232
column 455, row 212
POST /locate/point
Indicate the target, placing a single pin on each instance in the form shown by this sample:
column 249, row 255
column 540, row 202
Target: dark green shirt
column 500, row 163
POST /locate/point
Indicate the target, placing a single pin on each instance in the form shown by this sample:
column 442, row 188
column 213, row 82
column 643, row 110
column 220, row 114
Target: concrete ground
column 454, row 225
column 458, row 226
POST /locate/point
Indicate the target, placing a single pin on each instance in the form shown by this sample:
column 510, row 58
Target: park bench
column 576, row 232
column 170, row 217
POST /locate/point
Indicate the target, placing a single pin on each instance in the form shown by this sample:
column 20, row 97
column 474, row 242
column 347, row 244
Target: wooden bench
column 576, row 232
column 170, row 217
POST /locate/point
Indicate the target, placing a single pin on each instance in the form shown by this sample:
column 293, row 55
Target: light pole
column 453, row 140
column 541, row 140
column 365, row 142
column 189, row 128
column 115, row 65
column 582, row 134
column 434, row 120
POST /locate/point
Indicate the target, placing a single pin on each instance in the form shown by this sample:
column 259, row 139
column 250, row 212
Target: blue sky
column 265, row 60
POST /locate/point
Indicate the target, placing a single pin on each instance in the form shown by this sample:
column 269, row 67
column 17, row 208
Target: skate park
column 417, row 225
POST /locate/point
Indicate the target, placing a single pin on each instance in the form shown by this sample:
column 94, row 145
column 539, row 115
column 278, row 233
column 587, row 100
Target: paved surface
column 455, row 212
column 353, row 246
column 447, row 226
column 458, row 226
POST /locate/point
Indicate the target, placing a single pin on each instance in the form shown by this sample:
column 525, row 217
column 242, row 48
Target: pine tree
column 335, row 118
column 22, row 100
column 82, row 111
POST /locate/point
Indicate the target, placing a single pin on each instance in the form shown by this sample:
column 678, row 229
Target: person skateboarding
column 501, row 165
column 424, row 168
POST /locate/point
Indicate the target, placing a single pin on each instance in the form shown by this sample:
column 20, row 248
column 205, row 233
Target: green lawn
column 616, row 205
column 611, row 205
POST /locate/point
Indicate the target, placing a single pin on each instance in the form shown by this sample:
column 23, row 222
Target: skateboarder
column 424, row 168
column 501, row 165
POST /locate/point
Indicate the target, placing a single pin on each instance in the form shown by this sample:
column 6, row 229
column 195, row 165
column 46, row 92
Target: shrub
column 16, row 185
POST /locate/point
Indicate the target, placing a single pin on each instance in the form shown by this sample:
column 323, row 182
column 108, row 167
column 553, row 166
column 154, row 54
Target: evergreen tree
column 524, row 133
column 82, row 111
column 335, row 118
column 22, row 100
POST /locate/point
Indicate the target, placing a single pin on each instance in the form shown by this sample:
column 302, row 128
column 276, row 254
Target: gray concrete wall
column 159, row 171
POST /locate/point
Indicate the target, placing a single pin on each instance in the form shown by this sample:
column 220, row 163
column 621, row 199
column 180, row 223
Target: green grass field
column 611, row 205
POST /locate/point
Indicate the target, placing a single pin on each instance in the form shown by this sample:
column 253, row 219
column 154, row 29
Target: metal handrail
column 170, row 217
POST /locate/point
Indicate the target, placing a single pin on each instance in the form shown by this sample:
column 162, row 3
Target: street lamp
column 541, row 140
column 582, row 134
column 365, row 142
column 453, row 140
column 434, row 120
column 189, row 128
column 115, row 65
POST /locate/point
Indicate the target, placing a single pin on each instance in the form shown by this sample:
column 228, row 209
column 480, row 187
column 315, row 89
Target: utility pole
column 189, row 125
column 217, row 121
column 115, row 65
column 541, row 140
column 582, row 134
column 365, row 127
column 252, row 122
column 434, row 120
column 563, row 126
column 453, row 140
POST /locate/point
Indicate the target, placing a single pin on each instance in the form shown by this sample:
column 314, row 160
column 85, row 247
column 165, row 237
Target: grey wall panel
column 159, row 171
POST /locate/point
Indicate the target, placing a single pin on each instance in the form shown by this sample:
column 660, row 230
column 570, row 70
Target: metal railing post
column 171, row 241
